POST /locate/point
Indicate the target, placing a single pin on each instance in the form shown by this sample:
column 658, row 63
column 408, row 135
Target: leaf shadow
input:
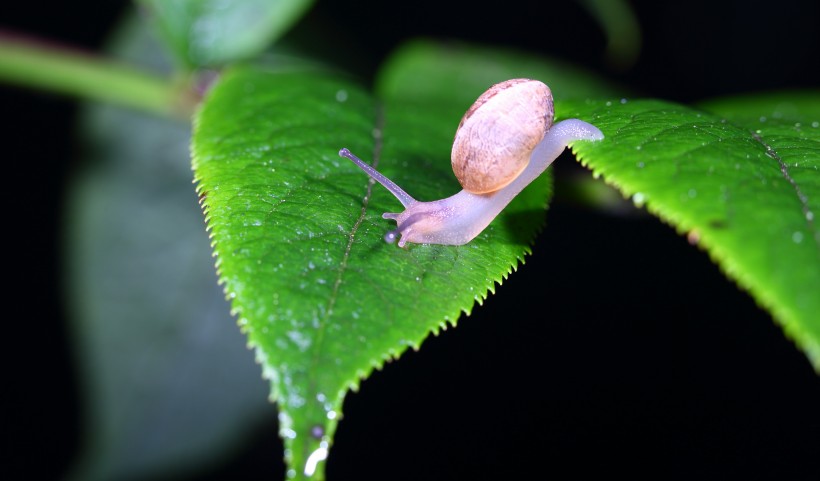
column 356, row 202
column 523, row 225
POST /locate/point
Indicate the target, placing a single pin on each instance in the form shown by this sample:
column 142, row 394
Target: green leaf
column 429, row 69
column 215, row 32
column 168, row 385
column 298, row 234
column 744, row 184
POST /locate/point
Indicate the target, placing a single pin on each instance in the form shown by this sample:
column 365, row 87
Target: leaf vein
column 784, row 171
column 379, row 121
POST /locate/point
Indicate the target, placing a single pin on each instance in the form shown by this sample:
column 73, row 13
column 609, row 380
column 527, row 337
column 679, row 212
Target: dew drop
column 797, row 237
column 639, row 199
column 623, row 101
column 608, row 103
column 815, row 124
column 809, row 216
column 637, row 147
column 762, row 119
column 640, row 165
column 314, row 459
column 692, row 193
column 693, row 237
column 341, row 95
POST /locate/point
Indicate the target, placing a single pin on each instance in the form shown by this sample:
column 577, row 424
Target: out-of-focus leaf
column 167, row 383
column 429, row 70
column 215, row 32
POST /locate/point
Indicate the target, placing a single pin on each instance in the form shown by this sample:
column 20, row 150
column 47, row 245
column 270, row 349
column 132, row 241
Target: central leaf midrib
column 377, row 146
column 317, row 349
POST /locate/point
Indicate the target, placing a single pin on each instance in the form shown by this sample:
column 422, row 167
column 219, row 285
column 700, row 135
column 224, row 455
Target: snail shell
column 497, row 135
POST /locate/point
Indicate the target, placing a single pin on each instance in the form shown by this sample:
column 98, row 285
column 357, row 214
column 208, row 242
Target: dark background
column 643, row 360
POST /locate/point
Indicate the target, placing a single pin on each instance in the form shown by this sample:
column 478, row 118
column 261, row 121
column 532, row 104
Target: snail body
column 505, row 140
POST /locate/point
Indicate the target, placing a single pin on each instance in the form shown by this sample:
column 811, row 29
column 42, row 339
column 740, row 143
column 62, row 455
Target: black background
column 641, row 361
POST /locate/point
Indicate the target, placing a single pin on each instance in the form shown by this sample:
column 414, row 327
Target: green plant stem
column 622, row 30
column 43, row 66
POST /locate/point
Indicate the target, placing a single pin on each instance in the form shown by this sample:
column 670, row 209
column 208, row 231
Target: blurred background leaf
column 216, row 32
column 419, row 68
column 168, row 384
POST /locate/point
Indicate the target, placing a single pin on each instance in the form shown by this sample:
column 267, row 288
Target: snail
column 505, row 140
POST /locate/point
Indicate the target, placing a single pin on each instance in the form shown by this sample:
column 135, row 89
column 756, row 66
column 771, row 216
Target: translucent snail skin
column 504, row 141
